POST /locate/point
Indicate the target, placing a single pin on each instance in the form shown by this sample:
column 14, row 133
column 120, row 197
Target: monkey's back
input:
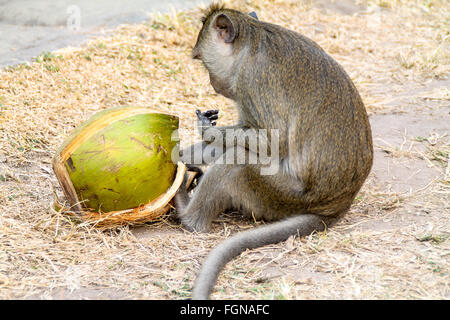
column 324, row 129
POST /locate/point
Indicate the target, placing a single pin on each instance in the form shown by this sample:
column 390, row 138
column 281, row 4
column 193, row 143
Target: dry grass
column 390, row 246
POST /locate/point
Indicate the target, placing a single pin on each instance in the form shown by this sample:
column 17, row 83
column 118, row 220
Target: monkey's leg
column 242, row 187
column 209, row 199
column 269, row 197
column 226, row 186
column 198, row 154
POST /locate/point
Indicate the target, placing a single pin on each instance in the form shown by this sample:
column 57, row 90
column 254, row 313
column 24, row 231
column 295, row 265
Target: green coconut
column 120, row 158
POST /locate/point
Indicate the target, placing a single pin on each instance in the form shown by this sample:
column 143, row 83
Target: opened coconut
column 117, row 167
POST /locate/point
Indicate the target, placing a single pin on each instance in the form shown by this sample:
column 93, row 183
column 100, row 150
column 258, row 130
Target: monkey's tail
column 303, row 224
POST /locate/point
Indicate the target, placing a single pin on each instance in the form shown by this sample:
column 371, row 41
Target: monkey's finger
column 202, row 117
column 209, row 113
column 204, row 120
column 213, row 117
column 213, row 123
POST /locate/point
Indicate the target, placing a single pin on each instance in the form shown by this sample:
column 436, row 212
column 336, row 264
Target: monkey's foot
column 194, row 224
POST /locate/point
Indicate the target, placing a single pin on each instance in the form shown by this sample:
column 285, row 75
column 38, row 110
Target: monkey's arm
column 239, row 134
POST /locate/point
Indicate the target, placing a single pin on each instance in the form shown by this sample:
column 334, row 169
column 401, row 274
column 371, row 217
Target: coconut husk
column 152, row 211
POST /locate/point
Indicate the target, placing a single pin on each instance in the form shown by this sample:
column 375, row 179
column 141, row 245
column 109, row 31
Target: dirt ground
column 393, row 243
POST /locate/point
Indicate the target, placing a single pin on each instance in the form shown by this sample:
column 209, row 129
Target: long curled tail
column 303, row 224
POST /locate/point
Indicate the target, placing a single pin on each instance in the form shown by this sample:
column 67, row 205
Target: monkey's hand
column 207, row 118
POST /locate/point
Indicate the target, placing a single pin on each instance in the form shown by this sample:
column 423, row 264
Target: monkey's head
column 219, row 46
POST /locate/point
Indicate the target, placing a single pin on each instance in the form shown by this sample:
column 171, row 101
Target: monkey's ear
column 253, row 15
column 225, row 28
